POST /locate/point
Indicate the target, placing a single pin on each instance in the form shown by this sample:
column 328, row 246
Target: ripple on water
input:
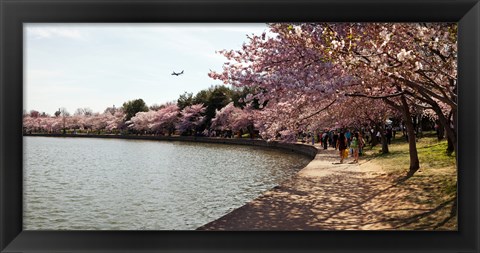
column 111, row 184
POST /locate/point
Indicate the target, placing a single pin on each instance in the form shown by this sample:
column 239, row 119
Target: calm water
column 94, row 184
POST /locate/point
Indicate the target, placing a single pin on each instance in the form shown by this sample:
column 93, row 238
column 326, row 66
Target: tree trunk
column 449, row 123
column 450, row 146
column 414, row 162
column 384, row 141
column 419, row 128
column 440, row 131
column 449, row 128
column 380, row 127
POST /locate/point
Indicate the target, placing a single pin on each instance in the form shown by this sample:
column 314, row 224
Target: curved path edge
column 328, row 195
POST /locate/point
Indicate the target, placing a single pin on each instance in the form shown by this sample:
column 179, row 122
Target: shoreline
column 257, row 214
column 303, row 149
column 329, row 196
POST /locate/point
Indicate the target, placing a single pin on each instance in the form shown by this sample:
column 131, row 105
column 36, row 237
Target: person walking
column 342, row 145
column 330, row 138
column 325, row 140
column 335, row 138
column 361, row 144
column 348, row 135
column 355, row 144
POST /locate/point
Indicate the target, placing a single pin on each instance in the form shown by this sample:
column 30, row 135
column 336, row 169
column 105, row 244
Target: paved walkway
column 327, row 195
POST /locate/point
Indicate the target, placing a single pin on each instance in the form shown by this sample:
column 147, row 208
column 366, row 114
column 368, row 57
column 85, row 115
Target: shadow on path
column 326, row 196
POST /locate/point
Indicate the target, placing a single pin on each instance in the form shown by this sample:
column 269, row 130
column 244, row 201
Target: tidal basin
column 117, row 184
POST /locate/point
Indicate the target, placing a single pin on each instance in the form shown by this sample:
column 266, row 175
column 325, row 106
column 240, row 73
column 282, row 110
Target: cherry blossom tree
column 223, row 118
column 406, row 65
column 98, row 122
column 318, row 65
column 28, row 123
column 75, row 122
column 90, row 122
column 56, row 124
column 45, row 124
column 191, row 117
column 166, row 118
column 161, row 120
column 416, row 61
column 117, row 121
column 234, row 119
column 141, row 121
column 297, row 83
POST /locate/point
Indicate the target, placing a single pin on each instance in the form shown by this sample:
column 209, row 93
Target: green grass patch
column 431, row 187
column 436, row 180
column 431, row 154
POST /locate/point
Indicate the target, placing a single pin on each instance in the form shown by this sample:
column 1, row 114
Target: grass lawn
column 431, row 153
column 433, row 186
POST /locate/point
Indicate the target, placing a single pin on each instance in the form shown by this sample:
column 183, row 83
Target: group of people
column 354, row 142
column 343, row 141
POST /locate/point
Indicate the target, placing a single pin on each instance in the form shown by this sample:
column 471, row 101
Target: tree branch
column 373, row 97
column 319, row 111
column 392, row 104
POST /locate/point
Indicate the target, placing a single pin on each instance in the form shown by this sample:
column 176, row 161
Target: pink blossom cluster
column 55, row 124
column 232, row 118
column 324, row 74
column 309, row 76
column 168, row 119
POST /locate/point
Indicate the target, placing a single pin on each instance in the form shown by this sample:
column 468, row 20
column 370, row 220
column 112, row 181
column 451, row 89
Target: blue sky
column 100, row 65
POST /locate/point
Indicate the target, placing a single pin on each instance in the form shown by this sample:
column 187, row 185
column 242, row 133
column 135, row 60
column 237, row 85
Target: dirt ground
column 327, row 195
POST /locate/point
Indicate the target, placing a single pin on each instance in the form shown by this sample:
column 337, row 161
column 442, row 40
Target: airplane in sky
column 177, row 74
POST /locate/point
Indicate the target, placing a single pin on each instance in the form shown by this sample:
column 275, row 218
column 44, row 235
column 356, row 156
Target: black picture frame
column 14, row 13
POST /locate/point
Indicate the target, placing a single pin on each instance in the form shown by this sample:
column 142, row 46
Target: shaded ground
column 327, row 195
